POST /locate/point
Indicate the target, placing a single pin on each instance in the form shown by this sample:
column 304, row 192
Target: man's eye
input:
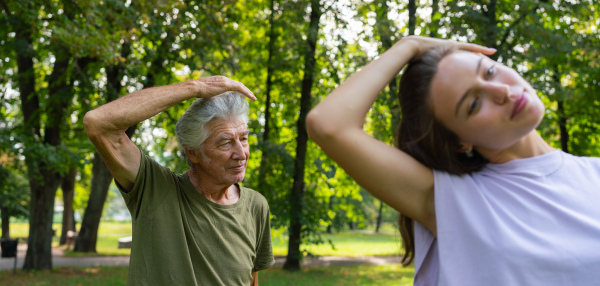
column 473, row 105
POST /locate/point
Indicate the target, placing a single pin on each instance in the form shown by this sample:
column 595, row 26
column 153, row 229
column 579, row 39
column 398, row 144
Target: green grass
column 76, row 276
column 350, row 275
column 346, row 243
column 364, row 275
column 108, row 236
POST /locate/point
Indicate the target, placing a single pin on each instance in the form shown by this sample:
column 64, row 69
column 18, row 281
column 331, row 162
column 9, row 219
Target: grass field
column 348, row 243
column 100, row 276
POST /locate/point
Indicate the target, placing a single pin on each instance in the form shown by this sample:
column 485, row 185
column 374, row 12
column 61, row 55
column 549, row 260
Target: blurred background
column 62, row 58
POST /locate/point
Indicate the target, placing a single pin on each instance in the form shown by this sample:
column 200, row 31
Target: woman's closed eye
column 474, row 105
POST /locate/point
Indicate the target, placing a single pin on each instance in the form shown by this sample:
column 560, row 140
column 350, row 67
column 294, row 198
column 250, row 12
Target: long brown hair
column 424, row 137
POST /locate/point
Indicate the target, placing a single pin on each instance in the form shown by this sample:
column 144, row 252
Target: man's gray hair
column 191, row 128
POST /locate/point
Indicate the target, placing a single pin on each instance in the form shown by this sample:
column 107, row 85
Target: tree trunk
column 101, row 176
column 264, row 160
column 379, row 217
column 5, row 222
column 68, row 191
column 562, row 123
column 294, row 256
column 491, row 31
column 435, row 22
column 43, row 179
column 385, row 36
column 88, row 233
column 46, row 180
column 562, row 117
column 330, row 226
column 412, row 17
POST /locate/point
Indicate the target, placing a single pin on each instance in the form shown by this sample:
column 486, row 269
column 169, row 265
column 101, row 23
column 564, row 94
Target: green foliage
column 552, row 43
column 14, row 193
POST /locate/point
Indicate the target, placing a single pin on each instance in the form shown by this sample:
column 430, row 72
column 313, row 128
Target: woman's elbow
column 317, row 126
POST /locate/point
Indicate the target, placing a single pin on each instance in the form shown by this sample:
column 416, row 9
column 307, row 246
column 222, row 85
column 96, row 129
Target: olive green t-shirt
column 182, row 238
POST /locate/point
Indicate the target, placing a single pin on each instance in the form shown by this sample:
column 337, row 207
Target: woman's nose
column 498, row 92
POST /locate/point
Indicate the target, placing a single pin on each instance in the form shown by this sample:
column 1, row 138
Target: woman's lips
column 519, row 105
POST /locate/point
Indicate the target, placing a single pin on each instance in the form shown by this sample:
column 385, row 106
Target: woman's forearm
column 347, row 105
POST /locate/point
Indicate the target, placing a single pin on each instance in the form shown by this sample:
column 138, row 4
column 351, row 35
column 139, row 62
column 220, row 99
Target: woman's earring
column 469, row 153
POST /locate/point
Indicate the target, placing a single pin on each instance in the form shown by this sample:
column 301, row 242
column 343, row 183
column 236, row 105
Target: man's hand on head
column 215, row 85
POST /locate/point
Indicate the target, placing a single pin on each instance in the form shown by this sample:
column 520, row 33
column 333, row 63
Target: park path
column 58, row 260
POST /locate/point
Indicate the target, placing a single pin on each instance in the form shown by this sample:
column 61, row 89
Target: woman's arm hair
column 335, row 125
column 106, row 125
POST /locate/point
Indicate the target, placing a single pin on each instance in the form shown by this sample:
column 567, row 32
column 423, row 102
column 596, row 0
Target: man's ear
column 195, row 156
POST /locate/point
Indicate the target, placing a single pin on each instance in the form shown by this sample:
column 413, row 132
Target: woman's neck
column 530, row 145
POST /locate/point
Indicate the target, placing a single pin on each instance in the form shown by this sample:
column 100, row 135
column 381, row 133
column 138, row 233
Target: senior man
column 199, row 227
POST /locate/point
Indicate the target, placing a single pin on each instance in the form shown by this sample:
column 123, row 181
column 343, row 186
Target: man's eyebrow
column 464, row 96
column 223, row 138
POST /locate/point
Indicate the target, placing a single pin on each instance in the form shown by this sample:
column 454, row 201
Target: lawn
column 346, row 243
column 349, row 275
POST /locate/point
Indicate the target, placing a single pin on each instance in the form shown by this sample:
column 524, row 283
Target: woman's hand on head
column 215, row 85
column 421, row 44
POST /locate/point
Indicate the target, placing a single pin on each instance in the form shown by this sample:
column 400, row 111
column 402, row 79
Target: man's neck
column 223, row 195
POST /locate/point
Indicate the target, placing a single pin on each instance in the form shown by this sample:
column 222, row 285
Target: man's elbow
column 91, row 123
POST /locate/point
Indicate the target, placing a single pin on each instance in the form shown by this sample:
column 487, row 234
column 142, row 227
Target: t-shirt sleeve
column 264, row 250
column 151, row 179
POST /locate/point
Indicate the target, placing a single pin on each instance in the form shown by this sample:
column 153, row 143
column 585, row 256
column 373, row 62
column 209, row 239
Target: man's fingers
column 216, row 85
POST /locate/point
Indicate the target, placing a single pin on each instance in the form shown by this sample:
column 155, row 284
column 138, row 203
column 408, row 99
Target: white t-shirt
column 532, row 221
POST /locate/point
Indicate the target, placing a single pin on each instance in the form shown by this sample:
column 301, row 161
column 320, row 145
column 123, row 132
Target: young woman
column 492, row 202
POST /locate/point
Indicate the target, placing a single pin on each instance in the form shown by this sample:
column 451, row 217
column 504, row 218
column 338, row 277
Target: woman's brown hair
column 424, row 137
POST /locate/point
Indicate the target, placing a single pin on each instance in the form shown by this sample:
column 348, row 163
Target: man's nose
column 239, row 151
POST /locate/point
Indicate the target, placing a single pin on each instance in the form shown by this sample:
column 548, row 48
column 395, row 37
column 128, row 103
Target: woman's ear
column 466, row 148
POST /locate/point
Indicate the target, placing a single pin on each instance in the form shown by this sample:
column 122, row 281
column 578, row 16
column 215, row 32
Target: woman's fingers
column 477, row 48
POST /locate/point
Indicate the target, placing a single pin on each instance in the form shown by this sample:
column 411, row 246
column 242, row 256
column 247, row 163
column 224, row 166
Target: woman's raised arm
column 335, row 125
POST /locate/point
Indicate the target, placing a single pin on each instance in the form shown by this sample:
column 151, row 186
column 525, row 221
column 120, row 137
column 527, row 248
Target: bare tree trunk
column 435, row 22
column 412, row 18
column 5, row 222
column 68, row 191
column 562, row 124
column 379, row 217
column 101, row 176
column 88, row 233
column 264, row 159
column 294, row 256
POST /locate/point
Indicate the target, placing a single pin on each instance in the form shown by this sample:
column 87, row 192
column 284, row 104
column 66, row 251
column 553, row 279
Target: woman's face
column 487, row 104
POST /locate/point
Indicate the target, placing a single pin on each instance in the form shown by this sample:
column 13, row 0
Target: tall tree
column 68, row 192
column 297, row 195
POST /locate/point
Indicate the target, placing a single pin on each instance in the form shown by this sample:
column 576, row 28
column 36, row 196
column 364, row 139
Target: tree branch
column 514, row 24
column 5, row 7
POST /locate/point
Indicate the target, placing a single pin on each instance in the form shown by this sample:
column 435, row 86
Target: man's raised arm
column 106, row 125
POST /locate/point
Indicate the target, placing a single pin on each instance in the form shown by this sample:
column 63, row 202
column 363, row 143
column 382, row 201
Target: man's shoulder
column 254, row 197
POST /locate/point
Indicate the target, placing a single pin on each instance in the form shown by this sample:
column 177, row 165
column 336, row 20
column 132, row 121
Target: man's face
column 226, row 153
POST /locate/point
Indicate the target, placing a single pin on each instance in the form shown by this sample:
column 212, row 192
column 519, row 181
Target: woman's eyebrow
column 464, row 96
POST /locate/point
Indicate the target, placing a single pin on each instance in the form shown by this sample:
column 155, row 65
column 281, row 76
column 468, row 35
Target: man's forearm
column 254, row 279
column 141, row 105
